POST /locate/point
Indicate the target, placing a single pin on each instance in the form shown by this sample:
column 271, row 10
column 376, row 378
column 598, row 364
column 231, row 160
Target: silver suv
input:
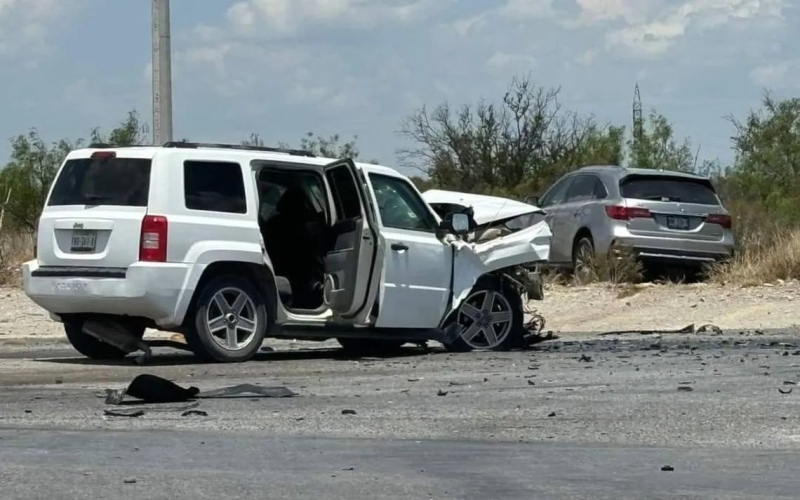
column 665, row 218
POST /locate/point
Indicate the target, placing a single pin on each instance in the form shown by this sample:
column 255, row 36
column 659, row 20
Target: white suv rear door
column 93, row 215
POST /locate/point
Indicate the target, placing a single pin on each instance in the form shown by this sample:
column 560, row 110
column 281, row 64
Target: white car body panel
column 486, row 208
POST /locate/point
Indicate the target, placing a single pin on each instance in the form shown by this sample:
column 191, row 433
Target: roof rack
column 241, row 147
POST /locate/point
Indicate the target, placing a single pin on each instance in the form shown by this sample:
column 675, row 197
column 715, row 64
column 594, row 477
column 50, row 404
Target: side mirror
column 459, row 223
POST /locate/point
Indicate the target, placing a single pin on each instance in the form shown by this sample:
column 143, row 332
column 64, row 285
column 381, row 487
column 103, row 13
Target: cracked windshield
column 400, row 249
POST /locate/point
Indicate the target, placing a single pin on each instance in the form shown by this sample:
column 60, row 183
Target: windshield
column 103, row 181
column 668, row 188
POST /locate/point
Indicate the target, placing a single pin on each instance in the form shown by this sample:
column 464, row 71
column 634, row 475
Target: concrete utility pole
column 162, row 74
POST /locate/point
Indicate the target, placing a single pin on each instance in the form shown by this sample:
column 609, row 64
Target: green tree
column 28, row 175
column 657, row 147
column 34, row 163
column 513, row 148
column 767, row 166
column 129, row 132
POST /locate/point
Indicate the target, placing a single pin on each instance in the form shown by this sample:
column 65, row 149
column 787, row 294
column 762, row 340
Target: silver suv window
column 586, row 187
column 668, row 188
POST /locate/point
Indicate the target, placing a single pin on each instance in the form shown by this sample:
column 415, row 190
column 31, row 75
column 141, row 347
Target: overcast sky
column 357, row 67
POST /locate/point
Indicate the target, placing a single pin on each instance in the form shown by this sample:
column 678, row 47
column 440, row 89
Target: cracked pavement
column 579, row 417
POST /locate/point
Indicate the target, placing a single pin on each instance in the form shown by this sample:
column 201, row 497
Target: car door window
column 582, row 189
column 399, row 205
column 557, row 193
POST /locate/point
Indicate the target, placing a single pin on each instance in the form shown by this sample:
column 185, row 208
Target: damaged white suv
column 232, row 244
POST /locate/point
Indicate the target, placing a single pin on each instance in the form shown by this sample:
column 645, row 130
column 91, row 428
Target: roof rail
column 241, row 147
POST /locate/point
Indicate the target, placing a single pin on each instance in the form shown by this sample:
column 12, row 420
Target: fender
column 205, row 253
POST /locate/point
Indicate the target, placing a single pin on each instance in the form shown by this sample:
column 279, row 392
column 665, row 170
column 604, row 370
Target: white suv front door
column 417, row 265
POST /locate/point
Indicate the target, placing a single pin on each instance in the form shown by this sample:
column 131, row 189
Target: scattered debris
column 59, row 380
column 551, row 414
column 348, row 412
column 413, row 379
column 442, row 393
column 531, row 382
column 129, row 480
column 585, row 359
column 789, row 382
column 668, row 468
column 686, row 329
column 124, row 413
column 152, row 389
column 709, row 328
column 785, row 391
column 194, row 413
column 685, row 388
column 349, row 468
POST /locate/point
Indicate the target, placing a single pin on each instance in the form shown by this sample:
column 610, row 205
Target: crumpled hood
column 486, row 209
column 473, row 260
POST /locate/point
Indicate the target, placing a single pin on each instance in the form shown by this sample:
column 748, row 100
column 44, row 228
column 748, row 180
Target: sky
column 281, row 68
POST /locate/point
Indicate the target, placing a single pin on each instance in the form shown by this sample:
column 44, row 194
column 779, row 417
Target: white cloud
column 779, row 75
column 651, row 27
column 283, row 17
column 522, row 63
column 25, row 25
column 528, row 8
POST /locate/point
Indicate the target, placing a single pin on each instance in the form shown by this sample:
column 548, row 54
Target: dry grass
column 765, row 256
column 15, row 248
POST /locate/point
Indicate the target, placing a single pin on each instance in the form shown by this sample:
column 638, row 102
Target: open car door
column 350, row 263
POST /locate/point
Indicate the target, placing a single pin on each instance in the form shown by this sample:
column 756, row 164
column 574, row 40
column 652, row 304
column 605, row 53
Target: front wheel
column 489, row 319
column 230, row 320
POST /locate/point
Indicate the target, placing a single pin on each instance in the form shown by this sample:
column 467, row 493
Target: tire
column 471, row 316
column 221, row 334
column 92, row 347
column 582, row 257
column 360, row 347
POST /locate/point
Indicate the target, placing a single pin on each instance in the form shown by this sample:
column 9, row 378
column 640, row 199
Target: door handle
column 399, row 247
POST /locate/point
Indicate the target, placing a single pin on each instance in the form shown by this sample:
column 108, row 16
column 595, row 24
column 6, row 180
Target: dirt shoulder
column 600, row 308
column 595, row 308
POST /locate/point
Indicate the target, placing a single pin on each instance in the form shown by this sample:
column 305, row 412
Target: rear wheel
column 92, row 347
column 490, row 318
column 230, row 320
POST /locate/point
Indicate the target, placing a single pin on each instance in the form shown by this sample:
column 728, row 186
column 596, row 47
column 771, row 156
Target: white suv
column 231, row 244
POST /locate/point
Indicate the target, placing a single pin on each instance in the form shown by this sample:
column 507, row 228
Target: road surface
column 578, row 417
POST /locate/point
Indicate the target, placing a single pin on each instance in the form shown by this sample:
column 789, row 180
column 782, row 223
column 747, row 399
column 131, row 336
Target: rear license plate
column 674, row 222
column 83, row 241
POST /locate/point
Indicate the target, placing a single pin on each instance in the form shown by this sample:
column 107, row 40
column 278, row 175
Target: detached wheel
column 360, row 347
column 583, row 260
column 489, row 319
column 230, row 320
column 91, row 347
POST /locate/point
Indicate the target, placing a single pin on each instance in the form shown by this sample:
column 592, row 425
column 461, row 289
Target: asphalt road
column 574, row 418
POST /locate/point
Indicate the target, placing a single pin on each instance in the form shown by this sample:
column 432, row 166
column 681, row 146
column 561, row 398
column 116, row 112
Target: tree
column 767, row 166
column 28, row 176
column 129, row 132
column 657, row 148
column 513, row 148
column 34, row 164
column 330, row 147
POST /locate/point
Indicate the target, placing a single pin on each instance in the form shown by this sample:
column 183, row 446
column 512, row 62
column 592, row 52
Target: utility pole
column 162, row 74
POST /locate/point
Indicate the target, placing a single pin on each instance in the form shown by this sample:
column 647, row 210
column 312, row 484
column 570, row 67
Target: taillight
column 103, row 155
column 153, row 241
column 721, row 219
column 618, row 212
